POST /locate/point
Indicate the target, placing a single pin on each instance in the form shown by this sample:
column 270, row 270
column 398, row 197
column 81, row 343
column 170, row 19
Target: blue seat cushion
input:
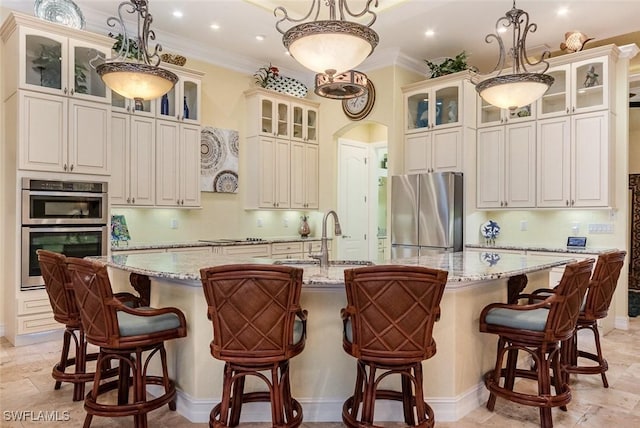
column 135, row 325
column 534, row 319
column 297, row 331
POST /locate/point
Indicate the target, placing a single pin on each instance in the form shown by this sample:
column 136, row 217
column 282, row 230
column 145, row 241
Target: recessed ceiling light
column 563, row 11
column 259, row 37
column 287, row 53
column 214, row 26
column 177, row 14
column 429, row 33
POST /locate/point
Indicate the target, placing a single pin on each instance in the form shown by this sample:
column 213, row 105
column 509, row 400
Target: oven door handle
column 65, row 194
column 65, row 229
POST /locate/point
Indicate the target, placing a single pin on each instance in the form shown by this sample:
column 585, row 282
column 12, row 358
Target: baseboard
column 621, row 323
column 330, row 410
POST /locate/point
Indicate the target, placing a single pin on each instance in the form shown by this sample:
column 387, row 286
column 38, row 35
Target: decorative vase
column 186, row 109
column 304, row 229
column 164, row 105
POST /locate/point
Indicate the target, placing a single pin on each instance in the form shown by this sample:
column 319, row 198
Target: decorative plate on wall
column 64, row 12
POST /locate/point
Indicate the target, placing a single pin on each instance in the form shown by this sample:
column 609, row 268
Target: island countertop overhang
column 464, row 267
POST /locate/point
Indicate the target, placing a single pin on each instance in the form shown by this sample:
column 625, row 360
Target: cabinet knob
column 567, row 201
column 133, row 200
column 573, row 109
column 128, row 200
column 501, row 204
column 182, row 202
column 128, row 109
column 71, row 167
column 572, row 202
column 567, row 110
column 177, row 117
column 505, row 203
column 64, row 167
column 65, row 91
column 72, row 92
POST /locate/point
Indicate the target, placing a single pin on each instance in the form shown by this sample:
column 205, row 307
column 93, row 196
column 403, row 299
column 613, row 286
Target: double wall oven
column 69, row 217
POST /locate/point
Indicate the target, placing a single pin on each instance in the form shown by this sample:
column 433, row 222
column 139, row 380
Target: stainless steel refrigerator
column 426, row 214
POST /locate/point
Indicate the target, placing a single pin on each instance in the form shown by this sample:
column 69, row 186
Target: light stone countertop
column 465, row 267
column 521, row 247
column 132, row 245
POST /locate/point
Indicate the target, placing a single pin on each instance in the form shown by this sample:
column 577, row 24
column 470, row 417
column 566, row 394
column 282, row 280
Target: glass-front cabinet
column 182, row 102
column 126, row 105
column 433, row 107
column 304, row 123
column 63, row 66
column 579, row 87
column 274, row 117
column 490, row 115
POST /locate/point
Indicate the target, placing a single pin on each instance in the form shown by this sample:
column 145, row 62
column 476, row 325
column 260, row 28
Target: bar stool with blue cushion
column 57, row 282
column 131, row 336
column 537, row 329
column 595, row 306
column 388, row 325
column 258, row 326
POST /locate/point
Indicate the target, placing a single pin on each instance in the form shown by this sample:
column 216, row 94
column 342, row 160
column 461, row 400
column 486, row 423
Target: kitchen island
column 322, row 377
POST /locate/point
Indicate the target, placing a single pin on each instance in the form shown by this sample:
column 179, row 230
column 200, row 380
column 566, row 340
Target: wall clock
column 359, row 107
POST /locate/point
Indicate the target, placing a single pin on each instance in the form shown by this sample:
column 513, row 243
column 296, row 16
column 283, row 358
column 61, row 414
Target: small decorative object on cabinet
column 448, row 65
column 490, row 230
column 186, row 109
column 359, row 107
column 304, row 229
column 64, row 12
column 164, row 105
column 175, row 59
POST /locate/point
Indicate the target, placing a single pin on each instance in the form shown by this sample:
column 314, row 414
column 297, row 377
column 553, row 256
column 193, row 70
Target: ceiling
column 401, row 24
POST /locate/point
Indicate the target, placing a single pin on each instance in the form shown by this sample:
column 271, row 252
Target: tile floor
column 26, row 385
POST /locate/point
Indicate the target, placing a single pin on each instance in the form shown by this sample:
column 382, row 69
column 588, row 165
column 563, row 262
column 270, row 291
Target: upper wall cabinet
column 121, row 104
column 304, row 123
column 490, row 115
column 580, row 87
column 182, row 103
column 433, row 106
column 54, row 59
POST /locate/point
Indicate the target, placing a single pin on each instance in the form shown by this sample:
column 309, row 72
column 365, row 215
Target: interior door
column 353, row 200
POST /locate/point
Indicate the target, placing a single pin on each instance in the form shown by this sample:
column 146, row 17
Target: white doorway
column 353, row 200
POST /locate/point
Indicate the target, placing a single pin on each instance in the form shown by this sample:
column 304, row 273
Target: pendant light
column 521, row 87
column 137, row 78
column 331, row 47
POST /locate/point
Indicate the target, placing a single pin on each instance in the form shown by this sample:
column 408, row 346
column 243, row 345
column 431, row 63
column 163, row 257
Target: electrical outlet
column 523, row 225
column 259, row 222
column 174, row 223
column 575, row 228
column 285, row 222
column 601, row 228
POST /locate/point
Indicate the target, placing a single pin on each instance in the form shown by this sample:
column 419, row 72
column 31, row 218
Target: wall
column 222, row 214
column 3, row 14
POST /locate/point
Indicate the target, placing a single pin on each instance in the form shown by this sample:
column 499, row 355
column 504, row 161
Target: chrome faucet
column 324, row 248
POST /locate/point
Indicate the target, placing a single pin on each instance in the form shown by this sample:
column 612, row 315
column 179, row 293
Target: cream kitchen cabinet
column 436, row 103
column 254, row 250
column 304, row 123
column 184, row 99
column 506, row 166
column 61, row 134
column 177, row 164
column 574, row 161
column 282, row 155
column 581, row 86
column 287, row 250
column 125, row 105
column 55, row 59
column 304, row 175
column 269, row 168
column 133, row 154
column 435, row 151
column 490, row 115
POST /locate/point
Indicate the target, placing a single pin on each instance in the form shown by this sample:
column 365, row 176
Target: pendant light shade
column 134, row 72
column 520, row 88
column 331, row 47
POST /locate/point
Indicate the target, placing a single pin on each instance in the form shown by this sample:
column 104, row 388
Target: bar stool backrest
column 253, row 308
column 603, row 284
column 59, row 288
column 567, row 300
column 393, row 309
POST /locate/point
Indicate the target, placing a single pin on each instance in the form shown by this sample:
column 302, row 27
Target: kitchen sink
column 313, row 262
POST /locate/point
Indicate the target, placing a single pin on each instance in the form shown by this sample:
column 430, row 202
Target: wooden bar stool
column 595, row 306
column 537, row 329
column 388, row 325
column 60, row 291
column 131, row 336
column 258, row 326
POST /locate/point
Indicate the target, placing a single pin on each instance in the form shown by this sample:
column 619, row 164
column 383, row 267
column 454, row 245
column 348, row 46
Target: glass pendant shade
column 330, row 47
column 513, row 91
column 137, row 80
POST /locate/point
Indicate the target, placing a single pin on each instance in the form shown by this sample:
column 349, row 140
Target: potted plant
column 449, row 65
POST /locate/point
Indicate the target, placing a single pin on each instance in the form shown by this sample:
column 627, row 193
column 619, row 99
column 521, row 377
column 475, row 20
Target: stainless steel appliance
column 426, row 214
column 69, row 217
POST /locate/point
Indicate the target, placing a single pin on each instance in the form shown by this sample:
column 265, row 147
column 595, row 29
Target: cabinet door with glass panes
column 138, row 107
column 182, row 102
column 304, row 123
column 490, row 115
column 274, row 117
column 59, row 65
column 579, row 87
column 433, row 107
